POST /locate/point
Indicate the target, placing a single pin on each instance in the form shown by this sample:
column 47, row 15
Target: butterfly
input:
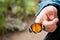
column 36, row 28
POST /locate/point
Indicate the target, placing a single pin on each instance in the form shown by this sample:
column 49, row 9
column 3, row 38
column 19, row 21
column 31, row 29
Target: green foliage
column 3, row 30
column 25, row 7
column 2, row 19
column 28, row 7
column 16, row 9
column 3, row 8
column 3, row 5
column 18, row 2
column 3, row 1
column 31, row 7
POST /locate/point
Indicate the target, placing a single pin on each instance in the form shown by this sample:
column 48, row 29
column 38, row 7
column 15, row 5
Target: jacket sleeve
column 44, row 4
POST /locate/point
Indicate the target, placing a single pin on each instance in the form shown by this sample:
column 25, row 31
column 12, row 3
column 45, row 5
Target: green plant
column 2, row 19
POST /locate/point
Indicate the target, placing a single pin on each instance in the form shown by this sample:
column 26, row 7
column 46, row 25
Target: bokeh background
column 16, row 16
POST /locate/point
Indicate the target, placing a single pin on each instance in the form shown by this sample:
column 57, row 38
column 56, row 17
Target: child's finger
column 55, row 20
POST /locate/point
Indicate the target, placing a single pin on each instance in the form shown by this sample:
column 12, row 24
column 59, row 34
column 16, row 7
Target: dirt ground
column 25, row 35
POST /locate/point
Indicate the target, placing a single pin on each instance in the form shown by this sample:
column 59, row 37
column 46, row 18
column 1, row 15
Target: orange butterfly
column 36, row 28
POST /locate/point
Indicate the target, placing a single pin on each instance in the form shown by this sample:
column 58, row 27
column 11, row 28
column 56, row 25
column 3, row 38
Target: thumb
column 55, row 20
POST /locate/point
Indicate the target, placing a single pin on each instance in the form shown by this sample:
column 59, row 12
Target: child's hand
column 48, row 17
column 50, row 25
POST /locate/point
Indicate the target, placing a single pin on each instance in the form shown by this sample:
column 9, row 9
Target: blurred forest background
column 15, row 13
column 16, row 16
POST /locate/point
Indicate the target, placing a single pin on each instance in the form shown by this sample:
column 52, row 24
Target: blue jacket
column 45, row 3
